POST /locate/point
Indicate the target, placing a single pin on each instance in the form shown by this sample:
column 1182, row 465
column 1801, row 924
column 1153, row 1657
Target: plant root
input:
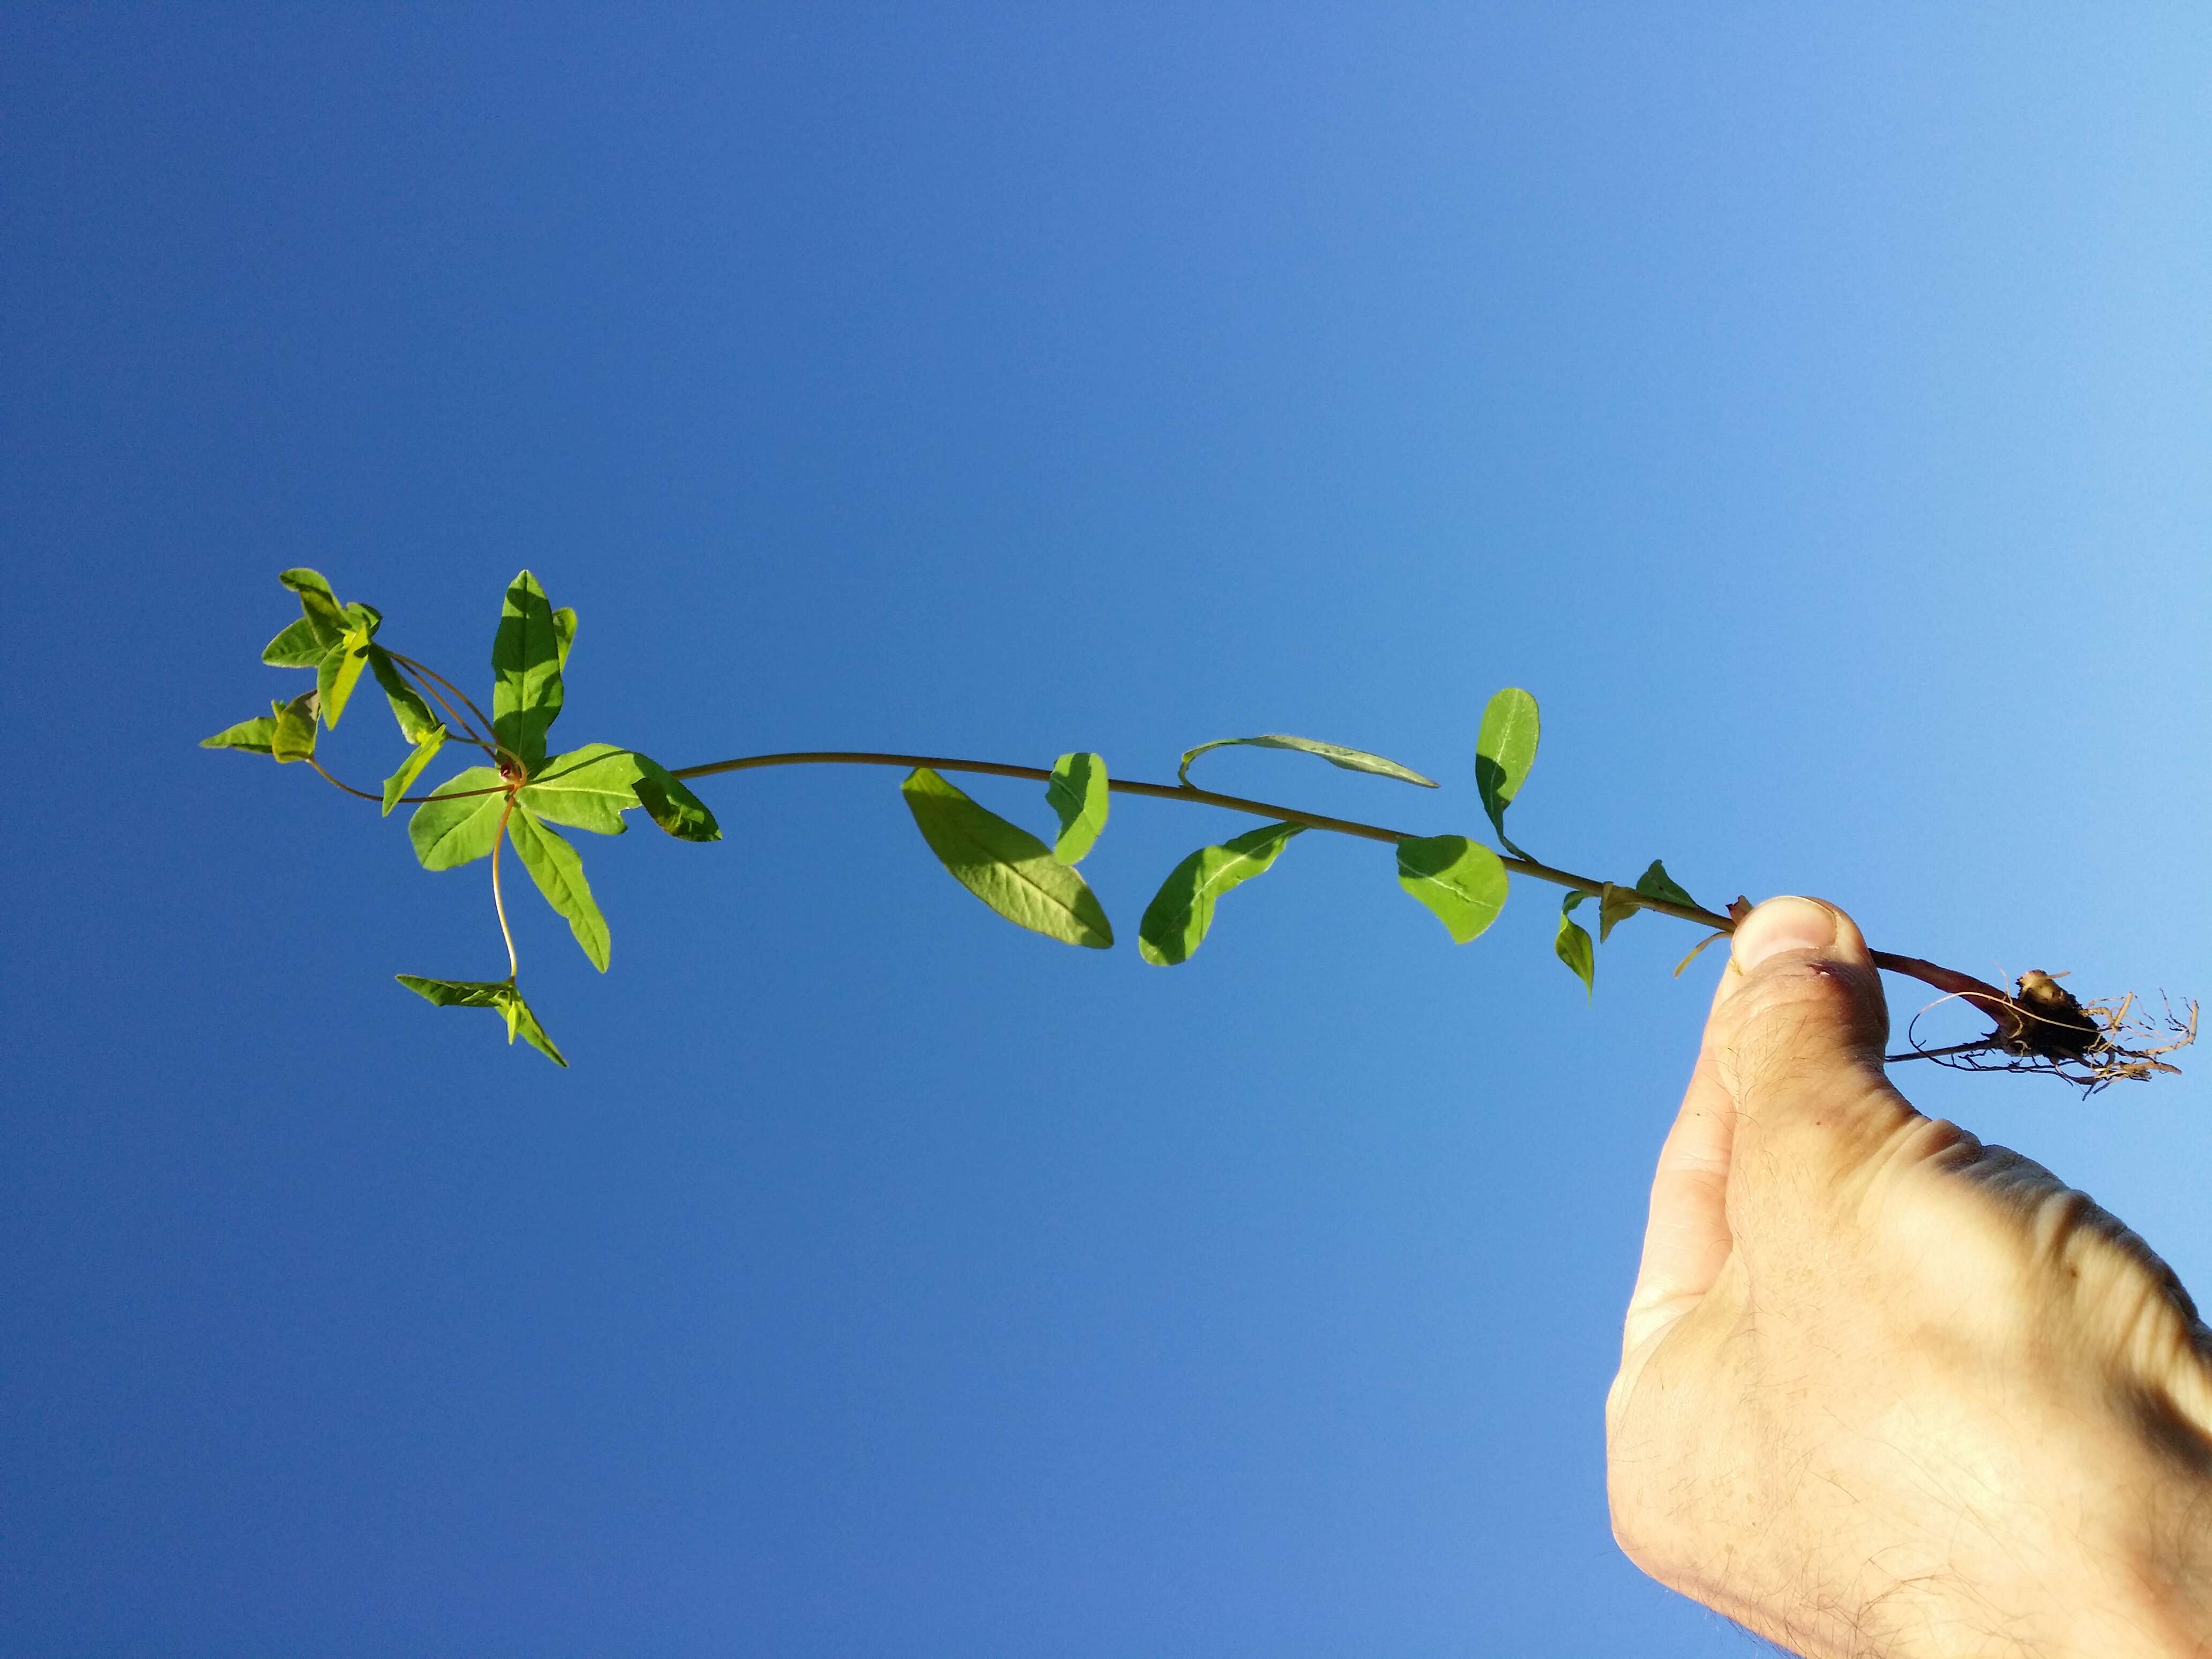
column 2043, row 1028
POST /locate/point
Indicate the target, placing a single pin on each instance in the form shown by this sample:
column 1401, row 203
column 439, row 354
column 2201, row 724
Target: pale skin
column 1885, row 1390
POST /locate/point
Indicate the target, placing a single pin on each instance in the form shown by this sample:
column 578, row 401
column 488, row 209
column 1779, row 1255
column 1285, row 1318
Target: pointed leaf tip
column 1005, row 865
column 526, row 660
column 416, row 720
column 500, row 995
column 1079, row 797
column 559, row 872
column 1572, row 945
column 1615, row 906
column 669, row 802
column 412, row 769
column 301, row 645
column 293, row 738
column 1656, row 883
column 257, row 736
column 1352, row 760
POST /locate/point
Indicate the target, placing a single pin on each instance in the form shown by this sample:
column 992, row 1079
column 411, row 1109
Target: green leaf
column 324, row 617
column 1175, row 922
column 366, row 617
column 1656, row 883
column 487, row 994
column 1504, row 750
column 587, row 788
column 337, row 673
column 416, row 721
column 525, row 664
column 304, row 581
column 559, row 873
column 1461, row 880
column 564, row 635
column 412, row 769
column 258, row 734
column 1573, row 946
column 293, row 736
column 457, row 825
column 520, row 1020
column 669, row 803
column 300, row 646
column 1005, row 865
column 1615, row 906
column 1352, row 760
column 1079, row 797
column 456, row 993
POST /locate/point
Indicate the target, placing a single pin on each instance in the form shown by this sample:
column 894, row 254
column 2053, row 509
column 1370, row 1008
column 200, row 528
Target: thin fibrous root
column 2045, row 1030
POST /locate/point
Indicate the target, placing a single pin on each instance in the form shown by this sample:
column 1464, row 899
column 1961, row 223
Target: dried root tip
column 2044, row 1028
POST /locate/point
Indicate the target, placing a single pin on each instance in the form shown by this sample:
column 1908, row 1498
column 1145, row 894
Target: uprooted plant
column 522, row 792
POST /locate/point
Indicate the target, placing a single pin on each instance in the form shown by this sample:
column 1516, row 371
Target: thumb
column 1797, row 1034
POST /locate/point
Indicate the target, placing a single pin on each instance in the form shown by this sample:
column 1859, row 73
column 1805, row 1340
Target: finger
column 1686, row 1239
column 1797, row 1037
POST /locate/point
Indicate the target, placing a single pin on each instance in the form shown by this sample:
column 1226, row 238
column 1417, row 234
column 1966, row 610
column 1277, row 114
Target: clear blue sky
column 1812, row 410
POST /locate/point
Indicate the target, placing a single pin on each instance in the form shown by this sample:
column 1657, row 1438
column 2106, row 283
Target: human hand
column 1884, row 1389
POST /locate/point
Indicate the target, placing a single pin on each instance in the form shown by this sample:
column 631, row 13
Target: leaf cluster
column 514, row 799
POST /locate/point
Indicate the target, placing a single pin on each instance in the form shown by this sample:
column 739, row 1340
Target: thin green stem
column 348, row 787
column 498, row 899
column 425, row 671
column 429, row 682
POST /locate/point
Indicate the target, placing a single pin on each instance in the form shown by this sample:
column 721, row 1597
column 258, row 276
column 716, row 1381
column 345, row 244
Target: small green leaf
column 1504, row 750
column 1573, row 946
column 486, row 994
column 587, row 788
column 1656, row 883
column 460, row 823
column 1461, row 880
column 339, row 671
column 456, row 993
column 1615, row 906
column 416, row 721
column 258, row 734
column 1005, row 865
column 412, row 769
column 1079, row 797
column 520, row 1019
column 1176, row 921
column 669, row 802
column 298, row 647
column 324, row 617
column 564, row 635
column 302, row 581
column 293, row 738
column 365, row 617
column 559, row 873
column 1352, row 760
column 525, row 664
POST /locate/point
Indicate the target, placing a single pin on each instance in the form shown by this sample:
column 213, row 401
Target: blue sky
column 1811, row 410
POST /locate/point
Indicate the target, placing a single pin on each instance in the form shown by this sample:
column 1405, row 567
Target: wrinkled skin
column 1885, row 1389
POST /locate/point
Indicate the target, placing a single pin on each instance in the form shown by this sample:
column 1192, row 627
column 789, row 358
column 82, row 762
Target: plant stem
column 1979, row 992
column 499, row 901
column 1927, row 973
column 425, row 674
